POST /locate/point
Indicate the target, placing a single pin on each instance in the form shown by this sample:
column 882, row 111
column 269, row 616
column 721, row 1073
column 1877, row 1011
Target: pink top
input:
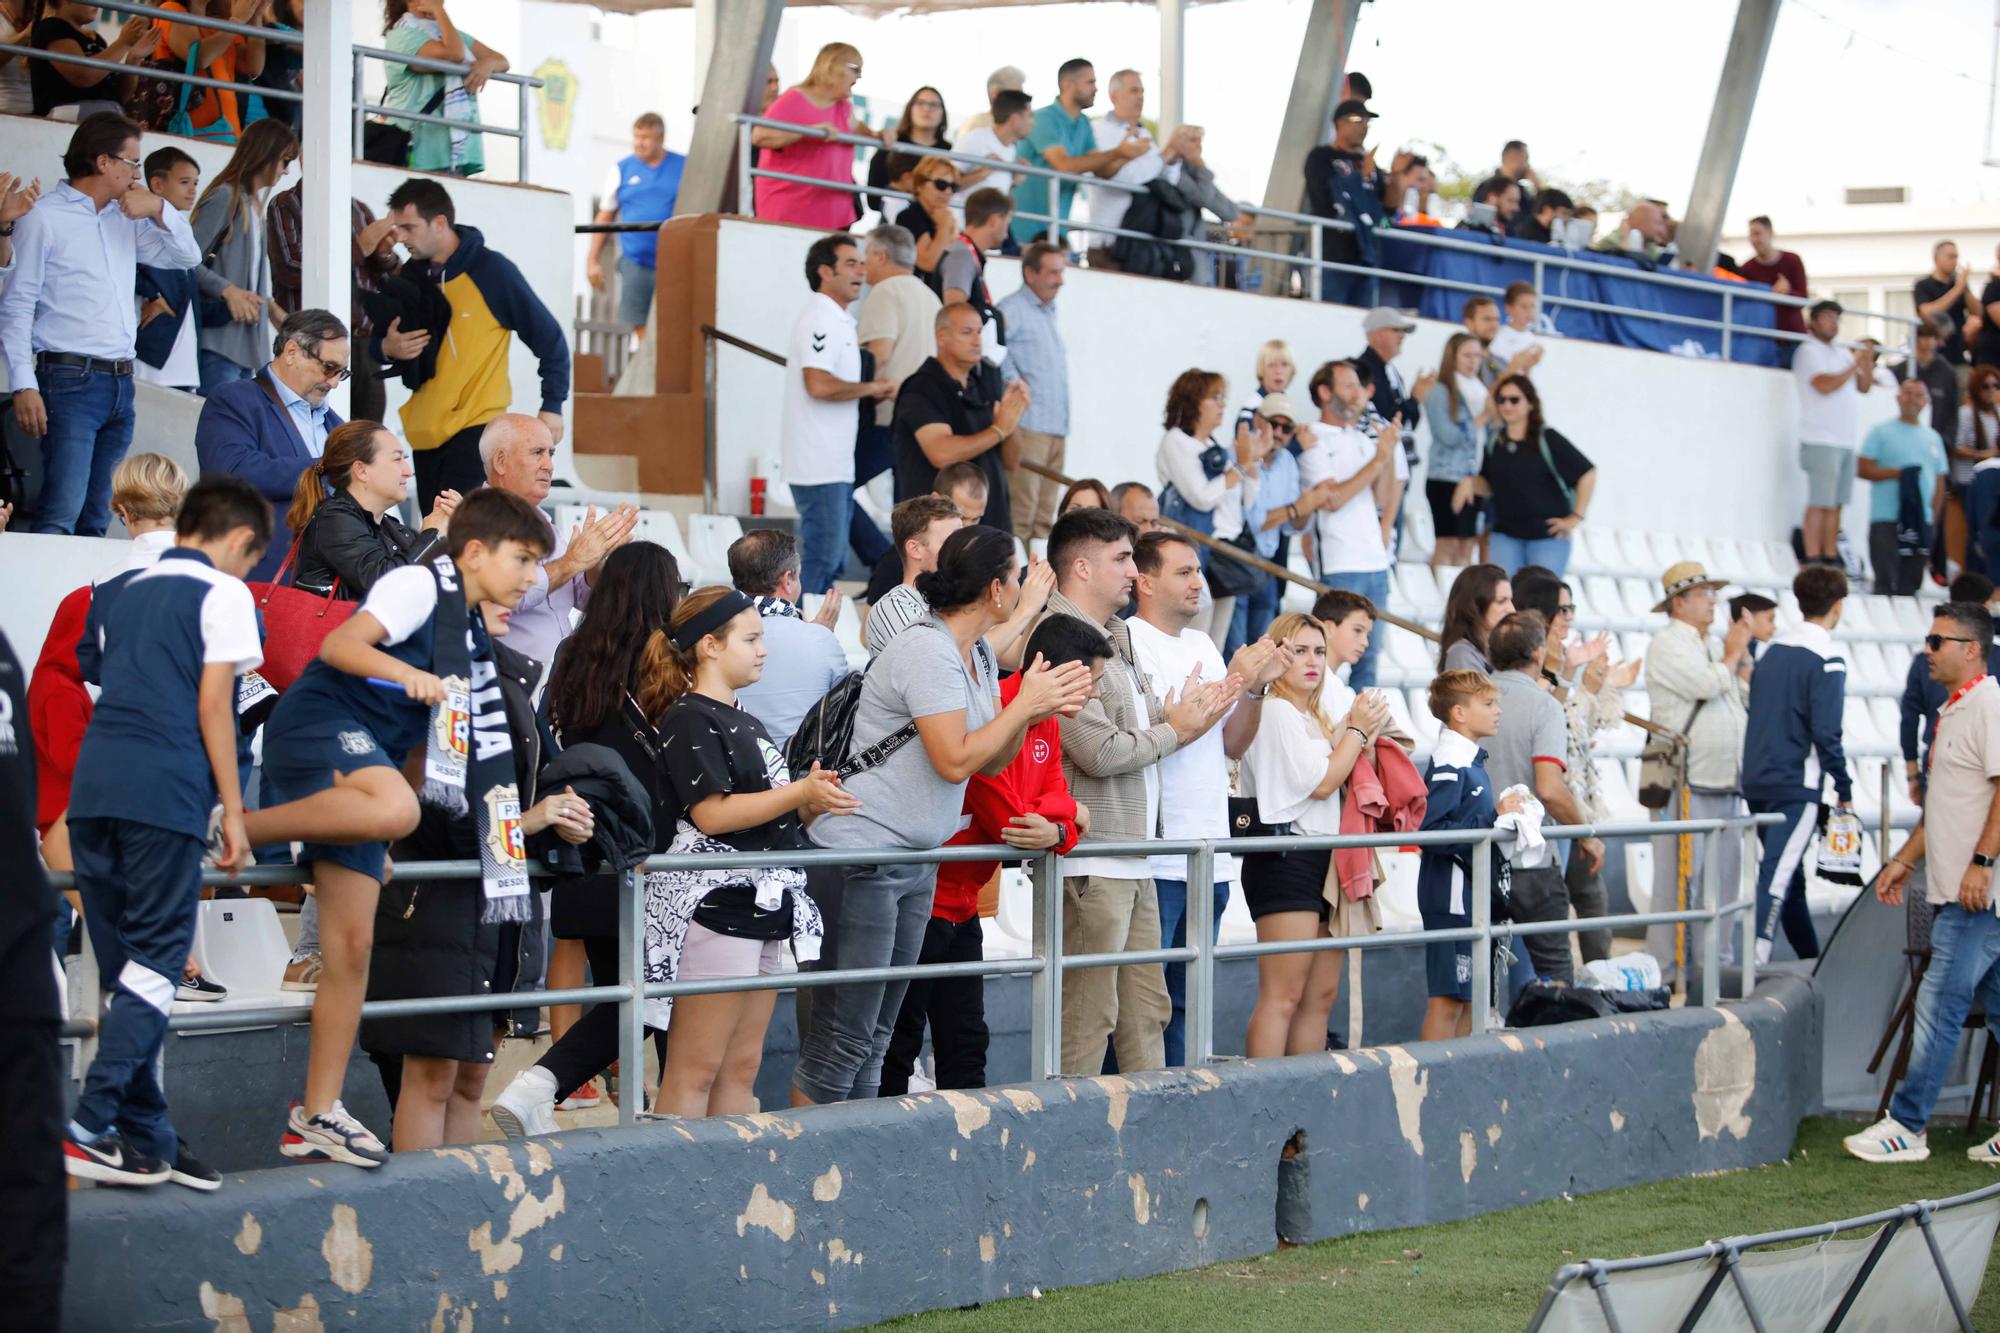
column 809, row 205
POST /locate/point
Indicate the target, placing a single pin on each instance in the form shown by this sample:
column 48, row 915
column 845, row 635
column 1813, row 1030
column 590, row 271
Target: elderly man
column 519, row 455
column 1124, row 124
column 1702, row 697
column 1944, row 298
column 1037, row 356
column 1385, row 329
column 898, row 327
column 1654, row 233
column 1958, row 839
column 1137, row 505
column 639, row 188
column 269, row 428
column 1896, row 546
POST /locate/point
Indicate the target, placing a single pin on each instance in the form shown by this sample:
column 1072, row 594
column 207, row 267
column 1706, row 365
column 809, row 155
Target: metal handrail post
column 1711, row 953
column 1045, row 987
column 631, row 1009
column 1728, row 321
column 1480, row 890
column 1882, row 839
column 745, row 189
column 360, row 116
column 522, row 121
column 1316, row 245
column 1199, row 1030
column 1747, row 947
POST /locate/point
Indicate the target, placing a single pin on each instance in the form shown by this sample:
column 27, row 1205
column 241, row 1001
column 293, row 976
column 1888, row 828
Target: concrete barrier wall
column 845, row 1215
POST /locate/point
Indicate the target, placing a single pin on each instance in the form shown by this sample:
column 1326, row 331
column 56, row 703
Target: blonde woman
column 1274, row 373
column 928, row 216
column 1313, row 730
column 822, row 107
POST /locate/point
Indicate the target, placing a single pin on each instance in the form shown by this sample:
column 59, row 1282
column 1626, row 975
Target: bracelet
column 1258, row 695
column 1359, row 732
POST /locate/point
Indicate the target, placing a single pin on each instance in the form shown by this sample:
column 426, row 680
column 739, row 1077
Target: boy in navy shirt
column 1791, row 747
column 392, row 680
column 1460, row 797
column 159, row 754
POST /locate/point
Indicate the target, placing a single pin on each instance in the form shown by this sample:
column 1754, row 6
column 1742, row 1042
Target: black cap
column 1352, row 107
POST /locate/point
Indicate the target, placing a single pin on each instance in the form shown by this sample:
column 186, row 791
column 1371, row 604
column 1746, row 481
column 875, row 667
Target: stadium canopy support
column 327, row 276
column 746, row 31
column 1309, row 110
column 1728, row 127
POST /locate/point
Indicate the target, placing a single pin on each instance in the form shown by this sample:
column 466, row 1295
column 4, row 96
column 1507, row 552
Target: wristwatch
column 1982, row 860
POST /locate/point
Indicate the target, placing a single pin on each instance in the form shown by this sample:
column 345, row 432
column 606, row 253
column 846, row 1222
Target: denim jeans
column 823, row 525
column 635, row 292
column 1510, row 553
column 1374, row 585
column 1347, row 288
column 1255, row 611
column 90, row 428
column 1173, row 929
column 876, row 916
column 1965, row 961
column 216, row 370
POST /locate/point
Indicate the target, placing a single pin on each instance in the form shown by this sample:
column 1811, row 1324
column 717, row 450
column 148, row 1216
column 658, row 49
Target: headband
column 710, row 618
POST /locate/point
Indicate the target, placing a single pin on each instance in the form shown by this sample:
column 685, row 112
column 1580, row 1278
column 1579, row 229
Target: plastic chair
column 240, row 943
column 1639, row 873
column 1602, row 603
column 1017, row 904
column 661, row 527
column 1424, row 727
column 709, row 537
column 1784, row 562
column 1858, row 735
column 1637, row 552
column 1420, row 589
column 1912, row 617
column 1595, row 552
column 1640, row 597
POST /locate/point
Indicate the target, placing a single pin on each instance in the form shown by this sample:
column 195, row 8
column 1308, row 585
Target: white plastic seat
column 1236, row 926
column 1017, row 904
column 1595, row 552
column 1858, row 733
column 1640, row 596
column 1419, row 587
column 1408, row 651
column 1866, row 671
column 1398, row 892
column 1602, row 603
column 662, row 528
column 1888, row 713
column 1784, row 563
column 1424, row 727
column 240, row 943
column 1446, row 575
column 1639, row 873
column 1699, row 549
column 709, row 538
column 1912, row 617
column 1637, row 553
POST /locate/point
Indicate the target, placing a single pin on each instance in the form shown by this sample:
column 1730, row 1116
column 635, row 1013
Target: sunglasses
column 1282, row 426
column 1935, row 642
column 1510, row 399
column 332, row 370
column 939, row 183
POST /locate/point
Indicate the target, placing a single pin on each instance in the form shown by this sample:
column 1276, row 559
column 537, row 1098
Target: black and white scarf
column 471, row 747
column 777, row 607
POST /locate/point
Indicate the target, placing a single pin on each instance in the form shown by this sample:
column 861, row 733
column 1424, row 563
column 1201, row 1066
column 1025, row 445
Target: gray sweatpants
column 1717, row 877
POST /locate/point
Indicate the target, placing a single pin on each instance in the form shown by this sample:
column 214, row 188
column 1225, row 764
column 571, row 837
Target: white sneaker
column 1987, row 1152
column 1887, row 1141
column 528, row 1106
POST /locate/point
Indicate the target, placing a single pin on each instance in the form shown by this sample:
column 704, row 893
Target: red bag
column 296, row 622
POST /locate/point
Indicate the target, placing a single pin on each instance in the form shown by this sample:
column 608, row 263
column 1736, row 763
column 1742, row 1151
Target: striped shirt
column 899, row 608
column 1035, row 353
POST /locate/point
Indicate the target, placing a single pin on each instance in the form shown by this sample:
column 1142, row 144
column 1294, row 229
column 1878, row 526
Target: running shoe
column 1887, row 1141
column 200, row 988
column 528, row 1106
column 1987, row 1152
column 192, row 1172
column 110, row 1161
column 331, row 1136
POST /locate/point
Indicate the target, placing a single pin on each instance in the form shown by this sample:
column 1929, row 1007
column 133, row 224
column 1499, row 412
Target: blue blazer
column 245, row 432
column 182, row 294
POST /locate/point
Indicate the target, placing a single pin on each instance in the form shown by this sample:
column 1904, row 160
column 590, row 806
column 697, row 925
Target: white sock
column 82, row 1135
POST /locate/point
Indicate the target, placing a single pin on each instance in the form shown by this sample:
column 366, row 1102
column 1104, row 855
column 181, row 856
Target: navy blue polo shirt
column 142, row 758
column 403, row 602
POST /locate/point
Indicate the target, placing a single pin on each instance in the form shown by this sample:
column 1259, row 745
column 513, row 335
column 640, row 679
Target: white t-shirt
column 1510, row 342
column 1826, row 418
column 1287, row 761
column 1194, row 780
column 1107, row 206
column 817, row 437
column 1350, row 537
column 402, row 601
column 985, row 143
column 181, row 371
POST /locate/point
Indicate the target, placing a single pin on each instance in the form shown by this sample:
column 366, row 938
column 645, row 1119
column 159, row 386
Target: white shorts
column 707, row 956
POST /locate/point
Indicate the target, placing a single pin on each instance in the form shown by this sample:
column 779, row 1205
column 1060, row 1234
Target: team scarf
column 470, row 749
column 777, row 607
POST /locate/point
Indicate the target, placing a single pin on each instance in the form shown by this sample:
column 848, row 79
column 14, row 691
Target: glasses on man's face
column 1282, row 426
column 1510, row 400
column 1935, row 642
column 131, row 162
column 332, row 370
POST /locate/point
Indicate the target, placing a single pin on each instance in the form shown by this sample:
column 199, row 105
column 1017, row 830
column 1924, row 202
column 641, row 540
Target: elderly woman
column 822, row 107
column 1186, row 169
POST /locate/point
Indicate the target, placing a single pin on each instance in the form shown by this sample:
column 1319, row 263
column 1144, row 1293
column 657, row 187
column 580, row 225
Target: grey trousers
column 1717, row 877
column 875, row 917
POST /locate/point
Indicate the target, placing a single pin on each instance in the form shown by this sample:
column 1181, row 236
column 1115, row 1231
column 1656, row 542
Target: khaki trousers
column 1031, row 497
column 1127, row 1006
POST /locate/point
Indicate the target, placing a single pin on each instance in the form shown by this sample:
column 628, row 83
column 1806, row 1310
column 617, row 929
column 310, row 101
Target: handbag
column 1245, row 823
column 295, row 621
column 388, row 142
column 1663, row 764
column 1234, row 578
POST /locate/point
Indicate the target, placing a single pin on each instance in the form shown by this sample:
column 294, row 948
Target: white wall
column 1696, row 447
column 40, row 572
column 530, row 226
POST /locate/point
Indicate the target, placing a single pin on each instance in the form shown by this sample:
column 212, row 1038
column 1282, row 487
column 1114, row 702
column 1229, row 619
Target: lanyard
column 1930, row 755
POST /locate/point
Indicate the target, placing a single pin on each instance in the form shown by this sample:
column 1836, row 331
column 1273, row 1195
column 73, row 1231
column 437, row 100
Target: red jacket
column 59, row 708
column 1384, row 794
column 1032, row 784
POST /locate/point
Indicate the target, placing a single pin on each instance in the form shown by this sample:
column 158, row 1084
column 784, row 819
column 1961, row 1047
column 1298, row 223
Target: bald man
column 519, row 454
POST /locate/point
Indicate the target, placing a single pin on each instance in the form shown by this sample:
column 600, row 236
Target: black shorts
column 1444, row 523
column 1286, row 882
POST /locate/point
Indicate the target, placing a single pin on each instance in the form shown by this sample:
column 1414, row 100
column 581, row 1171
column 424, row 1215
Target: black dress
column 429, row 939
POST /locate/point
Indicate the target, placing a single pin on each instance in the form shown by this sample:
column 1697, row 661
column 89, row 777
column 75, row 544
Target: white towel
column 1521, row 840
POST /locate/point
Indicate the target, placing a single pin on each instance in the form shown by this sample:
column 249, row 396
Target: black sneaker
column 200, row 988
column 192, row 1172
column 109, row 1160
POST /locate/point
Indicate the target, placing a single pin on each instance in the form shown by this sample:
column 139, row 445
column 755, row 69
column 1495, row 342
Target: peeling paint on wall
column 1468, row 1156
column 1725, row 1075
column 1142, row 1201
column 350, row 1259
column 1617, row 1122
column 826, row 1188
column 988, row 1247
column 1492, row 1135
column 774, row 1215
column 971, row 1113
column 301, row 1318
column 1118, row 1091
column 1410, row 1082
column 224, row 1309
column 250, row 1237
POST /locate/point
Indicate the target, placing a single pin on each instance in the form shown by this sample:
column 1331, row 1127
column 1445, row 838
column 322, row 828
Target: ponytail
column 666, row 672
column 333, row 471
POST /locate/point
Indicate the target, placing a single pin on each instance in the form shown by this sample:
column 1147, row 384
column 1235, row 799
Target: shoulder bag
column 1663, row 764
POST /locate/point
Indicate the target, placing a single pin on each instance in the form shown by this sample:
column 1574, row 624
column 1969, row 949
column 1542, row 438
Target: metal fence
column 1200, row 954
column 286, row 37
column 1727, row 1256
column 1308, row 232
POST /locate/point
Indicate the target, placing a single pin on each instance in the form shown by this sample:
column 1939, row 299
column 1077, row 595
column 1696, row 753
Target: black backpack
column 825, row 735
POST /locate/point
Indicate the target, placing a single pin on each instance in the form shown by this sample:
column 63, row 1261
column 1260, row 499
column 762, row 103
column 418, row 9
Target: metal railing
column 1729, row 1253
column 362, row 108
column 1201, row 953
column 1311, row 241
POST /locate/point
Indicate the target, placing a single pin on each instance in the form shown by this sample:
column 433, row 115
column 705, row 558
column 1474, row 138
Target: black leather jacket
column 343, row 541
